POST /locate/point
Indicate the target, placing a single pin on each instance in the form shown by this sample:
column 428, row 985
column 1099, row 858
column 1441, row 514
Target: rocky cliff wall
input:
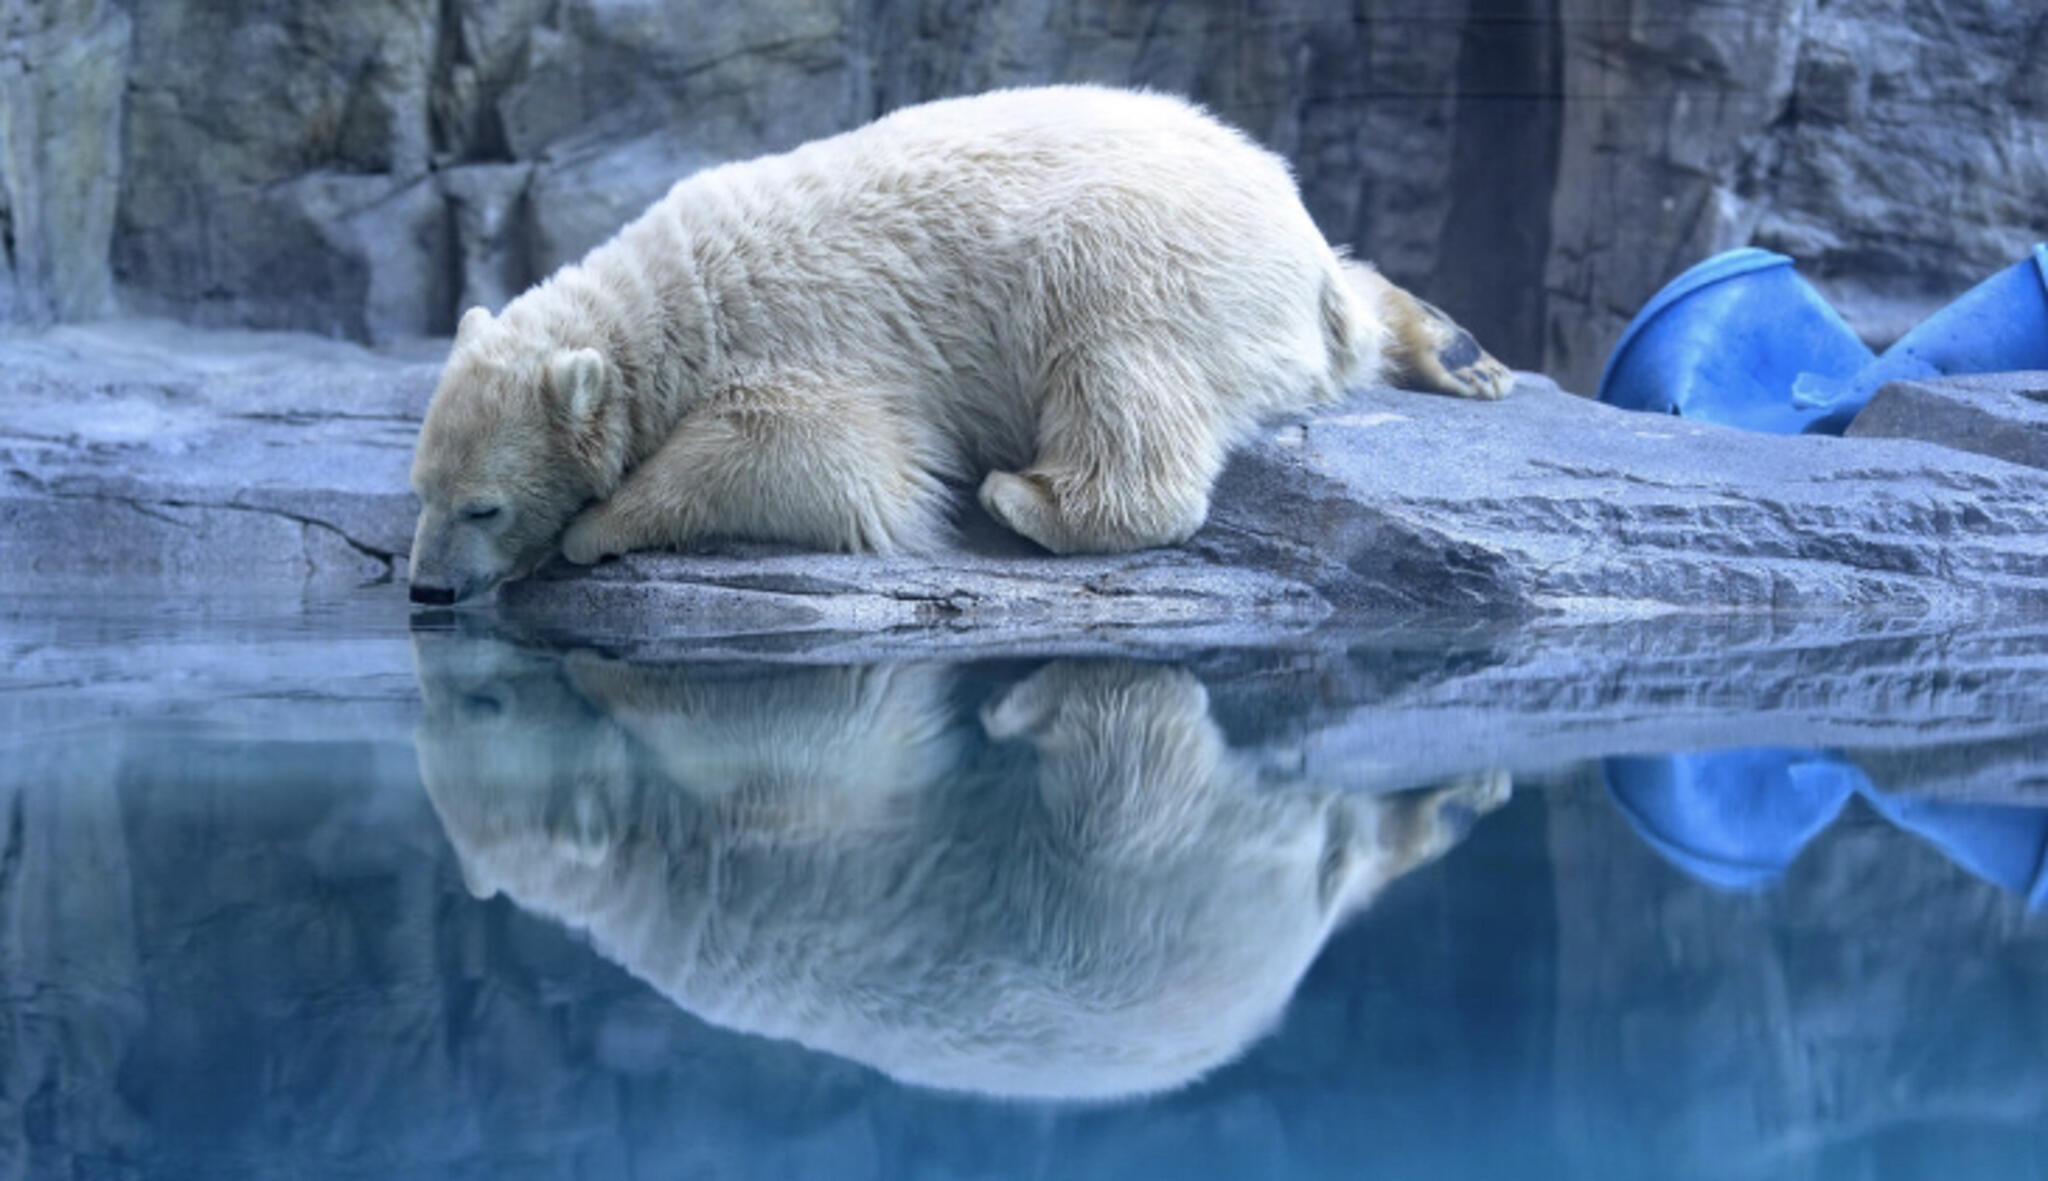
column 1537, row 166
column 1897, row 149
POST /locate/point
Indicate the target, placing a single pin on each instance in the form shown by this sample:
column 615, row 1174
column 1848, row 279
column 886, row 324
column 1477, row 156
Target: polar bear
column 1081, row 297
column 1083, row 893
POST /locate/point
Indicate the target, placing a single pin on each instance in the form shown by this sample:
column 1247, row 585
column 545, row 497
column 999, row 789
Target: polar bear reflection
column 1104, row 901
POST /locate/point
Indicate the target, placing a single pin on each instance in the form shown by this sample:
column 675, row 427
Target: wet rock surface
column 2003, row 415
column 206, row 458
column 203, row 458
column 1957, row 711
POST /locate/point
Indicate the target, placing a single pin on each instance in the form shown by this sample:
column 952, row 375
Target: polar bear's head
column 514, row 443
column 528, row 772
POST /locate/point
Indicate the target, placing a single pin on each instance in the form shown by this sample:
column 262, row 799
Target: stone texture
column 2004, row 415
column 1676, row 98
column 608, row 104
column 265, row 141
column 62, row 70
column 1393, row 506
column 205, row 459
column 1909, row 159
column 390, row 246
column 1536, row 167
column 1894, row 149
column 580, row 198
column 490, row 206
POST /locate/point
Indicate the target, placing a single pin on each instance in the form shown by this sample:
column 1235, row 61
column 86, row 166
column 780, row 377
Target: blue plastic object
column 2000, row 324
column 1734, row 819
column 1726, row 340
column 1741, row 339
column 2003, row 844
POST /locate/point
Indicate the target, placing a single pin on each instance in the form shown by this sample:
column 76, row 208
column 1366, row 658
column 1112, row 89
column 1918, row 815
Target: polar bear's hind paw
column 1457, row 365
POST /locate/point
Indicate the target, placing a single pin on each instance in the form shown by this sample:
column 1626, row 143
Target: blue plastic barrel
column 1737, row 819
column 2004, row 844
column 1726, row 340
column 1741, row 339
column 1733, row 818
column 2000, row 324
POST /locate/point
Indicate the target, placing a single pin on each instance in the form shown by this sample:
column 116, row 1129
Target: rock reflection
column 1080, row 890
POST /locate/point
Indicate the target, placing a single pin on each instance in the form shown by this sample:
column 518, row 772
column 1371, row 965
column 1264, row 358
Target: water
column 310, row 893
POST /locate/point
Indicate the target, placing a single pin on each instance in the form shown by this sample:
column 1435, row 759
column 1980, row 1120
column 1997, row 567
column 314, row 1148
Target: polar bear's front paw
column 1019, row 505
column 1022, row 709
column 590, row 539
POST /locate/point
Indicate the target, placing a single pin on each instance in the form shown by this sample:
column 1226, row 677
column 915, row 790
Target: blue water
column 324, row 892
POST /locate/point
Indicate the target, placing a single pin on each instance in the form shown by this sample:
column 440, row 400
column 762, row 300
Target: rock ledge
column 194, row 459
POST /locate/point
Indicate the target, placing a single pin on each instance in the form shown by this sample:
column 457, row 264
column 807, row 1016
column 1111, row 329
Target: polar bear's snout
column 452, row 560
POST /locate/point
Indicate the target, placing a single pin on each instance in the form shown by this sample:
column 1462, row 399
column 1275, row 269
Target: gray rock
column 205, row 459
column 1409, row 504
column 489, row 202
column 727, row 80
column 375, row 236
column 1392, row 506
column 579, row 200
column 211, row 229
column 2004, row 415
column 1891, row 171
column 1536, row 167
column 260, row 138
column 1870, row 139
column 364, row 256
column 1648, row 172
column 63, row 71
column 488, row 44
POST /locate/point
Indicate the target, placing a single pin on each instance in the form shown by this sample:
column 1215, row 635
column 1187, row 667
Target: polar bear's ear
column 473, row 321
column 578, row 378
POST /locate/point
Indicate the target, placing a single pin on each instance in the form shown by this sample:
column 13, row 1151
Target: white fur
column 1082, row 297
column 1117, row 906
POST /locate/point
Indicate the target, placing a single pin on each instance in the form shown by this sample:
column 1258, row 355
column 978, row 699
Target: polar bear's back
column 992, row 182
column 1037, row 142
column 1071, row 132
column 951, row 250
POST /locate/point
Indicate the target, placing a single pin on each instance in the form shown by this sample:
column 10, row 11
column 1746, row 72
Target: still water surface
column 319, row 894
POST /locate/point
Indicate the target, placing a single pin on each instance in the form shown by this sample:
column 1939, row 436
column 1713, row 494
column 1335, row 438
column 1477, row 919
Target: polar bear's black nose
column 434, row 596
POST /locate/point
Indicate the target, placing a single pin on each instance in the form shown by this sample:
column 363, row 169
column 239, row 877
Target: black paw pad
column 1460, row 352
